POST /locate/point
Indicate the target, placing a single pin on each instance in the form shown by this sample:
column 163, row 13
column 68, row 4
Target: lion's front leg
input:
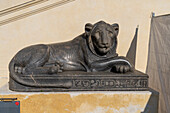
column 122, row 65
column 117, row 64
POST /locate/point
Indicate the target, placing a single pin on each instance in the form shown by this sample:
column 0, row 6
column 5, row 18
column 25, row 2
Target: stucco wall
column 67, row 21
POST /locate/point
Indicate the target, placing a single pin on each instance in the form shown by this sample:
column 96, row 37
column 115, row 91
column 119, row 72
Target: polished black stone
column 88, row 62
column 84, row 81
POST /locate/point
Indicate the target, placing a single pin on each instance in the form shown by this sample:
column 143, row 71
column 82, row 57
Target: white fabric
column 158, row 66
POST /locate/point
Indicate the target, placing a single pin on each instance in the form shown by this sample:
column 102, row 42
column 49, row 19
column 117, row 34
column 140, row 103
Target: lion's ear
column 88, row 28
column 116, row 28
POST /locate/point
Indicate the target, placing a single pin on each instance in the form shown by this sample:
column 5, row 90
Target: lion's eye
column 110, row 34
column 97, row 34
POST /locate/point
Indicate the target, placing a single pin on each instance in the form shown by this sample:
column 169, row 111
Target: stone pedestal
column 87, row 102
column 80, row 81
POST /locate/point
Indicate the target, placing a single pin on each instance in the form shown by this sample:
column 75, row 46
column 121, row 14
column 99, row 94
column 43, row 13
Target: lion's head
column 102, row 37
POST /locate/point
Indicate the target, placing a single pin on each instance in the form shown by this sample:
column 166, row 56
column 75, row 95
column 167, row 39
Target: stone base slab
column 81, row 81
column 87, row 102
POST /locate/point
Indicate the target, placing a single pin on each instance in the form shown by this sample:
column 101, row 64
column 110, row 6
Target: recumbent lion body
column 94, row 50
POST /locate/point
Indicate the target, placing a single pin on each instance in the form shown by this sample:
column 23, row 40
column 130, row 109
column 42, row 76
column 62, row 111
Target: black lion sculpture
column 94, row 50
column 86, row 57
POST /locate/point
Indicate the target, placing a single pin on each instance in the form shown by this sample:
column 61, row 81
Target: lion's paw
column 121, row 68
column 56, row 69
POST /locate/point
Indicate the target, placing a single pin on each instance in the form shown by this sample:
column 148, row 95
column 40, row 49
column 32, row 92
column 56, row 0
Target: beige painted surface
column 67, row 21
column 80, row 102
column 10, row 3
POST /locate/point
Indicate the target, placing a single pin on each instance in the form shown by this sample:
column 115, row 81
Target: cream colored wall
column 67, row 21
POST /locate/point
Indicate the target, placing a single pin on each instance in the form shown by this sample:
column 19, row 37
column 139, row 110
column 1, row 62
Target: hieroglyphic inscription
column 118, row 83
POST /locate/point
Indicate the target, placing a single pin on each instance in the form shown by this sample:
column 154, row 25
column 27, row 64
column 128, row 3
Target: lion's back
column 27, row 53
column 67, row 51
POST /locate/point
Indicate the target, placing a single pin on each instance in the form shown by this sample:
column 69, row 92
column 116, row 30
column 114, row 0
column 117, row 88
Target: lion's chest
column 91, row 57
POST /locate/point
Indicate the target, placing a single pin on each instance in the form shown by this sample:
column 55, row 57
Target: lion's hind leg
column 31, row 60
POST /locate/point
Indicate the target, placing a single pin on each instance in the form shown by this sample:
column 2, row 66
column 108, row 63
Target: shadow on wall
column 152, row 105
column 131, row 54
